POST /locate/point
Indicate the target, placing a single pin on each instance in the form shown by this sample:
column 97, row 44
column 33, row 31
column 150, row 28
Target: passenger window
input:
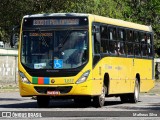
column 129, row 36
column 121, row 48
column 113, row 47
column 120, row 34
column 112, row 41
column 136, row 37
column 144, row 50
column 121, row 42
column 149, row 44
column 104, row 40
column 112, row 33
column 142, row 38
column 137, row 49
column 129, row 41
column 144, row 44
column 130, row 49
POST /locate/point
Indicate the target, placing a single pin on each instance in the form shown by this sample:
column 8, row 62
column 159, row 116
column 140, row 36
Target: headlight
column 83, row 78
column 23, row 78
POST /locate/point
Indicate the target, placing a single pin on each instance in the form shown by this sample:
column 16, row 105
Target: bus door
column 97, row 65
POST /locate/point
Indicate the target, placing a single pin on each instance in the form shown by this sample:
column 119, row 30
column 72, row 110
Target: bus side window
column 129, row 35
column 136, row 44
column 112, row 41
column 130, row 42
column 149, row 44
column 104, row 40
column 130, row 48
column 137, row 49
column 135, row 37
column 144, row 44
column 121, row 42
column 112, row 33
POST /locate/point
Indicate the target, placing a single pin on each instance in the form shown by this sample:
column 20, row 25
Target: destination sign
column 54, row 22
column 40, row 34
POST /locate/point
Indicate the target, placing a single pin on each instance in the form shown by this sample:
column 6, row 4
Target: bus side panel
column 120, row 74
column 147, row 85
column 111, row 65
column 124, row 69
column 144, row 69
column 97, row 78
column 125, row 74
column 105, row 65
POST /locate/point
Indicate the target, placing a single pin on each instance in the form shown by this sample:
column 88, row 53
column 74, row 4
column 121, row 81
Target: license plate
column 53, row 92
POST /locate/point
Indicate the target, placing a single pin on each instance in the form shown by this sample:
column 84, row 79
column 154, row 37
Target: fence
column 8, row 66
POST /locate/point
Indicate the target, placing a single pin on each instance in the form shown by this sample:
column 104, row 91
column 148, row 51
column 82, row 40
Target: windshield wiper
column 64, row 39
column 42, row 37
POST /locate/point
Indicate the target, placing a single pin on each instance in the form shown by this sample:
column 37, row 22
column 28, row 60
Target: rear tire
column 98, row 101
column 131, row 97
column 43, row 101
column 134, row 97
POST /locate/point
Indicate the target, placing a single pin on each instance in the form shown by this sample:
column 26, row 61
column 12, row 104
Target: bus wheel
column 134, row 97
column 43, row 101
column 98, row 101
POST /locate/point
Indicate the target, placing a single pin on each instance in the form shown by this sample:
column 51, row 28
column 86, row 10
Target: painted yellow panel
column 123, row 71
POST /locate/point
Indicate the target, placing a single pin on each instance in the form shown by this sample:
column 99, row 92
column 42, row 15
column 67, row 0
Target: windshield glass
column 63, row 49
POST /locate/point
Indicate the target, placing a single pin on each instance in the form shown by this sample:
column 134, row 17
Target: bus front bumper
column 84, row 89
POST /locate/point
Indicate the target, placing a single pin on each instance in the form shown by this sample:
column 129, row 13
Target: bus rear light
column 24, row 78
column 83, row 78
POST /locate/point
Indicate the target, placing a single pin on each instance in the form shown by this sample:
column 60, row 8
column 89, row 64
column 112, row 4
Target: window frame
column 135, row 40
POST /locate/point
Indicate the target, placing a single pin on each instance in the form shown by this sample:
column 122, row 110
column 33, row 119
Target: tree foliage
column 140, row 11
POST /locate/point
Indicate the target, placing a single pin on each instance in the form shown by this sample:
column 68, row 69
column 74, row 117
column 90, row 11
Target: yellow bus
column 84, row 57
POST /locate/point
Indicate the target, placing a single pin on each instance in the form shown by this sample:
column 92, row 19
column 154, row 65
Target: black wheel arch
column 106, row 82
column 138, row 78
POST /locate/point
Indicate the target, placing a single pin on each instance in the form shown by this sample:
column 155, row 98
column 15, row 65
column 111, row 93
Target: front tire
column 98, row 101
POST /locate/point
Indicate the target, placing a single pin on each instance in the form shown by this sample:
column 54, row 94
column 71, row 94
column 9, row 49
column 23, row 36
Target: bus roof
column 58, row 14
column 97, row 18
column 122, row 23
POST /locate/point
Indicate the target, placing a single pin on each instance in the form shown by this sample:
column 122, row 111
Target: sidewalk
column 9, row 88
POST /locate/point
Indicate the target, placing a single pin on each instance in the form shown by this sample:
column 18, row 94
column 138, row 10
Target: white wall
column 8, row 66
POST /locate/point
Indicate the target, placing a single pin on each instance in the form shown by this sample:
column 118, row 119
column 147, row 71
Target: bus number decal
column 68, row 80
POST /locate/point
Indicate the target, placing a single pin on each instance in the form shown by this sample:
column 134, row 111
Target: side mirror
column 15, row 36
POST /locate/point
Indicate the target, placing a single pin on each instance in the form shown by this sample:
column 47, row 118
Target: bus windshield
column 56, row 49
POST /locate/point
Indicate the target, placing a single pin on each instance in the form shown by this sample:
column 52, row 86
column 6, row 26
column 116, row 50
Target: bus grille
column 44, row 90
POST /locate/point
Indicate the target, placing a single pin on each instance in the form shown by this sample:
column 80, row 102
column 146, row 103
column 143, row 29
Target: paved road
column 148, row 106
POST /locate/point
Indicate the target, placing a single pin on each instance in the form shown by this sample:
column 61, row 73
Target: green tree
column 140, row 11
